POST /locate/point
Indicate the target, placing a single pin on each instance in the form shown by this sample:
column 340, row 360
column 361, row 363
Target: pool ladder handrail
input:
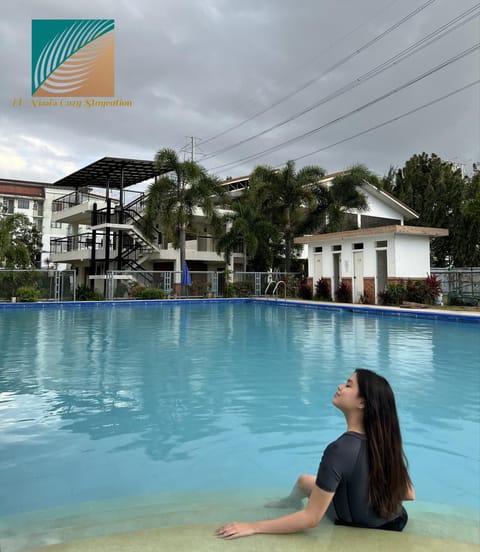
column 284, row 288
column 276, row 284
column 268, row 287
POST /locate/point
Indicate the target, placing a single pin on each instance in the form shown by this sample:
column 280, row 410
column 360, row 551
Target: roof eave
column 392, row 229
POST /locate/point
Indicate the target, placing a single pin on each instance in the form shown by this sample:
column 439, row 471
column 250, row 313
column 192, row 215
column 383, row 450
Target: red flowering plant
column 434, row 288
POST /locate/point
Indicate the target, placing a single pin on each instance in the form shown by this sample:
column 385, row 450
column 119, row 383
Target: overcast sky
column 205, row 68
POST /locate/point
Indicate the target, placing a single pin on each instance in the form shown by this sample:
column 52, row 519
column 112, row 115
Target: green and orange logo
column 73, row 57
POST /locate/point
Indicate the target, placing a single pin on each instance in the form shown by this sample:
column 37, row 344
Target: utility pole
column 189, row 148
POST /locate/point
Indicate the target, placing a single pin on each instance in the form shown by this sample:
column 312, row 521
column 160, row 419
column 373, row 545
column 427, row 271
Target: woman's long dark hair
column 389, row 479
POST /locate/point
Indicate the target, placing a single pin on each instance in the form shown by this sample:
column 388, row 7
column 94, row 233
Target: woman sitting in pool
column 362, row 478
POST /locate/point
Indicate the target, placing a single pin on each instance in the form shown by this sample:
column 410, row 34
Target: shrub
column 434, row 288
column 136, row 290
column 152, row 293
column 305, row 290
column 292, row 286
column 27, row 294
column 395, row 294
column 229, row 290
column 322, row 290
column 414, row 291
column 243, row 289
column 343, row 293
column 417, row 292
column 461, row 301
column 84, row 293
column 198, row 289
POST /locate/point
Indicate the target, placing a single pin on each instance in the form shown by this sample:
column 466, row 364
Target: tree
column 344, row 195
column 436, row 190
column 20, row 242
column 182, row 187
column 250, row 228
column 466, row 227
column 285, row 197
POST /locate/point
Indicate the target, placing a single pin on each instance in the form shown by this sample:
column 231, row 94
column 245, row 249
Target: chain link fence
column 462, row 284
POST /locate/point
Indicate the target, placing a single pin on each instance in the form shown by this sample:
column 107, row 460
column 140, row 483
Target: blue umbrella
column 186, row 278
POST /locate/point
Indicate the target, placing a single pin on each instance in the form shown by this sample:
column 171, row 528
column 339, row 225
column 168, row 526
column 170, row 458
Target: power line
column 316, row 59
column 394, row 119
column 326, row 72
column 353, row 111
column 428, row 40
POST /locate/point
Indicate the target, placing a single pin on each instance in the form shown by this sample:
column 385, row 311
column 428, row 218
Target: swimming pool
column 113, row 404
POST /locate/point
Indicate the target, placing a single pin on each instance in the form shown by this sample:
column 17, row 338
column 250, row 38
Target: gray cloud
column 197, row 68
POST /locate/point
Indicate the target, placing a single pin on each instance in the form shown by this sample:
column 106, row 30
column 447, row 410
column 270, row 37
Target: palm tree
column 334, row 201
column 288, row 196
column 249, row 227
column 344, row 195
column 182, row 187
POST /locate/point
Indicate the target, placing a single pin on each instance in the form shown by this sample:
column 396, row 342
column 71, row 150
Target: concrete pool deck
column 199, row 538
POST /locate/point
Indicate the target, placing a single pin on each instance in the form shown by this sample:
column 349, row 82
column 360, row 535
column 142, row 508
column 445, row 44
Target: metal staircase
column 136, row 247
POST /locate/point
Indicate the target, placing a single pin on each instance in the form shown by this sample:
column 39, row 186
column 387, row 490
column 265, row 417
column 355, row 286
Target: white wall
column 412, row 256
column 377, row 208
column 407, row 256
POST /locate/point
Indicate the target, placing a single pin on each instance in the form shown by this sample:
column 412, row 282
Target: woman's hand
column 235, row 530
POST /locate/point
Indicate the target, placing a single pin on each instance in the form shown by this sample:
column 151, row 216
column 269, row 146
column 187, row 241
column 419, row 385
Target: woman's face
column 347, row 397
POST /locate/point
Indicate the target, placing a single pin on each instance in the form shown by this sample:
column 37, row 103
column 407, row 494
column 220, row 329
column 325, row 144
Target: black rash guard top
column 344, row 471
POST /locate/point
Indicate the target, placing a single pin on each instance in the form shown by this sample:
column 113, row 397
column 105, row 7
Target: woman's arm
column 304, row 519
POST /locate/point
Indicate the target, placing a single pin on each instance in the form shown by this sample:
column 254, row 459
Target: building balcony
column 77, row 207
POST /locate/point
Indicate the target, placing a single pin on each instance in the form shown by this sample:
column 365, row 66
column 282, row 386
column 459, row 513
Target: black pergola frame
column 110, row 172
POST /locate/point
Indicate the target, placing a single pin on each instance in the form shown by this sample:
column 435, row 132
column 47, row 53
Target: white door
column 382, row 271
column 317, row 268
column 357, row 276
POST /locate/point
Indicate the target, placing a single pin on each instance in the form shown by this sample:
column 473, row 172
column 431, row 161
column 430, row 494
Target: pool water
column 113, row 404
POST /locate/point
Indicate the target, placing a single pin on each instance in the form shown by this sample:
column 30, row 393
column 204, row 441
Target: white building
column 34, row 200
column 116, row 235
column 382, row 250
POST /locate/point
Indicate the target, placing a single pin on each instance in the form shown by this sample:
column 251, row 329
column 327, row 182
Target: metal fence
column 37, row 285
column 56, row 285
column 138, row 284
column 463, row 282
column 125, row 284
column 267, row 283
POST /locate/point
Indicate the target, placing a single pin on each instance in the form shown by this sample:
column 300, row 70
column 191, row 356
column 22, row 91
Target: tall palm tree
column 182, row 187
column 335, row 200
column 249, row 227
column 344, row 195
column 287, row 196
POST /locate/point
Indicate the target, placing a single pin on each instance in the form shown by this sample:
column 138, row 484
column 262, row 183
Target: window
column 358, row 245
column 7, row 207
column 381, row 243
column 318, row 249
column 336, row 247
column 55, row 224
column 23, row 203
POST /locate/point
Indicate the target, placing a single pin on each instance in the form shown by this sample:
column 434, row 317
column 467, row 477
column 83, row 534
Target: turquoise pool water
column 100, row 404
